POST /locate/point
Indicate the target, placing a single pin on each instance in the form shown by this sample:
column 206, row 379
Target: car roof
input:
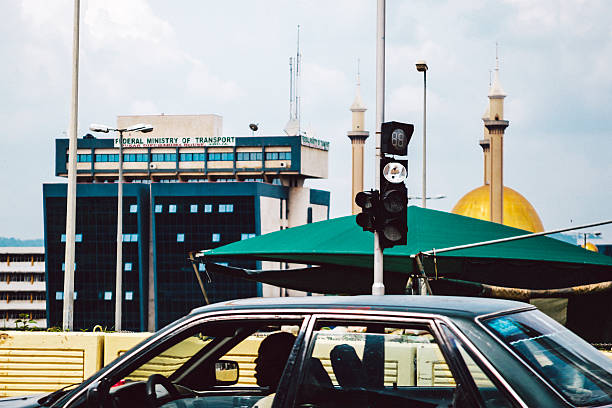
column 444, row 305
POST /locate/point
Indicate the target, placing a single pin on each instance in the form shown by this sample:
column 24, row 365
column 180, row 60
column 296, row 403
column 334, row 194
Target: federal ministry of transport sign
column 190, row 141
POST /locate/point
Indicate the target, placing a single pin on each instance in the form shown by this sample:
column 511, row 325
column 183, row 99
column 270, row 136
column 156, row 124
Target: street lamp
column 144, row 128
column 586, row 235
column 421, row 66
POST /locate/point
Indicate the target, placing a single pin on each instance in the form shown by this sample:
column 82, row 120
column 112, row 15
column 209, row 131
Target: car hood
column 29, row 401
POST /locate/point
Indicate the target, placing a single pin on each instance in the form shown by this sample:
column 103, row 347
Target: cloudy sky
column 231, row 58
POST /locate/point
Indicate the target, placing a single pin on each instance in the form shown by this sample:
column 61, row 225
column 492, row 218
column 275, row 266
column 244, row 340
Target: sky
column 232, row 58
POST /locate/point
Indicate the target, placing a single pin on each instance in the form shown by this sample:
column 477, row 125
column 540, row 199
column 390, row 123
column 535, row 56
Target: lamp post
column 421, row 66
column 144, row 128
column 589, row 235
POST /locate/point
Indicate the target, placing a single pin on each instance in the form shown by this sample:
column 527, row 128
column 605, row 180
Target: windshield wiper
column 48, row 400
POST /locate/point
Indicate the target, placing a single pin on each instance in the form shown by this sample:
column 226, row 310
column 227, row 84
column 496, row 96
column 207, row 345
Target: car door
column 189, row 355
column 372, row 360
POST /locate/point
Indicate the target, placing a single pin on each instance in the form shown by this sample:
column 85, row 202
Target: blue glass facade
column 186, row 217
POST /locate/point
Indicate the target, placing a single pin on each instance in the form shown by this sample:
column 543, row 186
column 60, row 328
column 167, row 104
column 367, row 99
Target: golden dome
column 518, row 212
column 591, row 246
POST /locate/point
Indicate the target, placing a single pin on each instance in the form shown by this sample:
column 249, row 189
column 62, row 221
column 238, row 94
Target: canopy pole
column 197, row 273
column 423, row 285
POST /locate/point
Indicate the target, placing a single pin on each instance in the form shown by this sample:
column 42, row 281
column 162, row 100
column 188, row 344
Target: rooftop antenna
column 291, row 106
column 496, row 56
column 358, row 80
column 298, row 63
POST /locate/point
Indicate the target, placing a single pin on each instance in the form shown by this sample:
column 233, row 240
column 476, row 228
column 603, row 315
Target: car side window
column 490, row 394
column 374, row 364
column 233, row 362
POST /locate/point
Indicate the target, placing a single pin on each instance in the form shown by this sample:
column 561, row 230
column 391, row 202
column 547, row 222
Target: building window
column 216, row 237
column 207, row 208
column 163, row 157
column 84, row 158
column 192, row 156
column 172, row 208
column 220, row 156
column 134, row 157
column 102, row 158
column 309, row 215
column 130, row 237
column 194, row 208
column 64, row 266
column 226, row 208
column 276, row 182
column 158, row 208
column 202, row 267
column 180, row 237
column 77, row 238
column 108, row 295
column 128, row 266
column 129, row 295
column 278, row 155
column 59, row 295
column 246, row 236
column 249, row 156
column 133, row 208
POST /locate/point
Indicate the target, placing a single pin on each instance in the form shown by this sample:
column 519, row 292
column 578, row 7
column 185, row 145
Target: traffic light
column 391, row 220
column 394, row 138
column 368, row 201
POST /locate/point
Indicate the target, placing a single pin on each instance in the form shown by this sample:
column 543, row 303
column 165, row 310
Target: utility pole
column 378, row 287
column 119, row 263
column 68, row 305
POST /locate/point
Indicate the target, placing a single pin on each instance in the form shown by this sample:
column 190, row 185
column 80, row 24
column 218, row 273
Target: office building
column 22, row 287
column 187, row 188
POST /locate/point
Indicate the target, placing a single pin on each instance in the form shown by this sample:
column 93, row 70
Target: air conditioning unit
column 152, row 166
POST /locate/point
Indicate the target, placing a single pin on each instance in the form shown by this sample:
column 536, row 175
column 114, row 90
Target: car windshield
column 571, row 365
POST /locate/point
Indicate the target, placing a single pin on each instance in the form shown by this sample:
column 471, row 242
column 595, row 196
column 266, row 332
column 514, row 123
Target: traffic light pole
column 378, row 287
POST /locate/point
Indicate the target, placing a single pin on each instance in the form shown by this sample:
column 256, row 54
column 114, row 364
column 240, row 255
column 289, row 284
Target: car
column 352, row 351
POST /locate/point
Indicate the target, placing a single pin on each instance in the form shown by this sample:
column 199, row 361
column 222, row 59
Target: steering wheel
column 158, row 379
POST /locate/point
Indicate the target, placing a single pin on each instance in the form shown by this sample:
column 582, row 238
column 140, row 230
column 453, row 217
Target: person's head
column 272, row 356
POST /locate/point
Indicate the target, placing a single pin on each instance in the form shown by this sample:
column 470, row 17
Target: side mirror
column 226, row 372
column 97, row 393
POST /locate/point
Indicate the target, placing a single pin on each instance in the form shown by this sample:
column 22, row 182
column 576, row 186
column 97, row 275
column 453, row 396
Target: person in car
column 270, row 362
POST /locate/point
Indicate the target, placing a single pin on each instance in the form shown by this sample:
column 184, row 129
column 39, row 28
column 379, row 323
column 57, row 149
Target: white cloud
column 142, row 107
column 111, row 22
column 201, row 81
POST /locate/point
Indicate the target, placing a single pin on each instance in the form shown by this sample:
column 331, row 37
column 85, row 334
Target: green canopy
column 534, row 263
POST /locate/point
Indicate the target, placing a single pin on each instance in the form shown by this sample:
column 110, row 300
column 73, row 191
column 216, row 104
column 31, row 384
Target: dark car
column 357, row 351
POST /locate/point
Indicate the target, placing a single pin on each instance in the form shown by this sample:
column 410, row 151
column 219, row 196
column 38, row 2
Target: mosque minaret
column 495, row 126
column 493, row 201
column 358, row 136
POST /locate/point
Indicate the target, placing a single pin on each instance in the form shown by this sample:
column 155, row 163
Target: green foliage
column 24, row 323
